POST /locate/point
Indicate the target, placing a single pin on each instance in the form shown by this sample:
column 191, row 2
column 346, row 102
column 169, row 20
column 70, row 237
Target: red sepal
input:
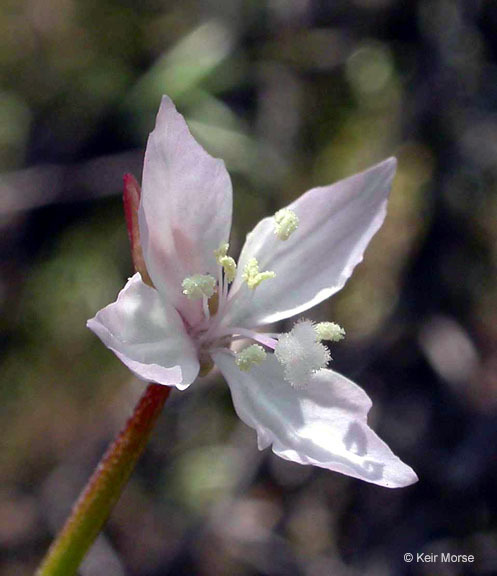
column 131, row 199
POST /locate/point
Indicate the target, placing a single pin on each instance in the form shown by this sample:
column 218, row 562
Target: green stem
column 104, row 487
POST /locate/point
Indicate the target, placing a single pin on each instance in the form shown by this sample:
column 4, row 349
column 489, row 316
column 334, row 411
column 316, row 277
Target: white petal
column 148, row 336
column 336, row 224
column 185, row 210
column 324, row 424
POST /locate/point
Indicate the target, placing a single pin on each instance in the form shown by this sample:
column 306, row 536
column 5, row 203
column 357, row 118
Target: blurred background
column 292, row 94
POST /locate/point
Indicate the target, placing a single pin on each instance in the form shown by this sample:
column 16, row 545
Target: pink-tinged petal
column 185, row 210
column 336, row 224
column 148, row 336
column 323, row 424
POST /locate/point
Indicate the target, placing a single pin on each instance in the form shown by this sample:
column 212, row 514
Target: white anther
column 301, row 354
column 329, row 331
column 251, row 355
column 285, row 223
column 199, row 285
column 252, row 276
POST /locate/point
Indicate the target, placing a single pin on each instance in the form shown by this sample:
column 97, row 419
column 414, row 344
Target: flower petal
column 185, row 209
column 324, row 424
column 148, row 336
column 336, row 224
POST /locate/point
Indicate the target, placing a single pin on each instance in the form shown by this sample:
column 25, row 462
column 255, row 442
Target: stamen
column 300, row 354
column 329, row 331
column 229, row 266
column 285, row 223
column 253, row 277
column 254, row 354
column 199, row 285
column 264, row 338
column 205, row 306
column 221, row 251
column 226, row 262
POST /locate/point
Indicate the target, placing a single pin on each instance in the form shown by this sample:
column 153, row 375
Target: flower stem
column 104, row 487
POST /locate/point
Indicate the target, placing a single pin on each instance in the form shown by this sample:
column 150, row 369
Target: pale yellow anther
column 199, row 285
column 329, row 331
column 229, row 267
column 221, row 251
column 227, row 262
column 253, row 277
column 285, row 223
column 254, row 354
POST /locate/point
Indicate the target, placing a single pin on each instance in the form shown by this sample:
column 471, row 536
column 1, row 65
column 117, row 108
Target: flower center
column 299, row 351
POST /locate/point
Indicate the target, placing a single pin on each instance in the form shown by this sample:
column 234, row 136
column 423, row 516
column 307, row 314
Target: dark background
column 292, row 94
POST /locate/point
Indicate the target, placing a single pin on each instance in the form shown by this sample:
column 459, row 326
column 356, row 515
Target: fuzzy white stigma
column 252, row 276
column 199, row 285
column 301, row 354
column 329, row 331
column 227, row 262
column 251, row 355
column 285, row 223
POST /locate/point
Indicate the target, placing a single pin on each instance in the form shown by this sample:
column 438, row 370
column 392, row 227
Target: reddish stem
column 104, row 487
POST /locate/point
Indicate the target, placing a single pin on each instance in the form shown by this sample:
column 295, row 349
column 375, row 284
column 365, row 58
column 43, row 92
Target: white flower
column 190, row 300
